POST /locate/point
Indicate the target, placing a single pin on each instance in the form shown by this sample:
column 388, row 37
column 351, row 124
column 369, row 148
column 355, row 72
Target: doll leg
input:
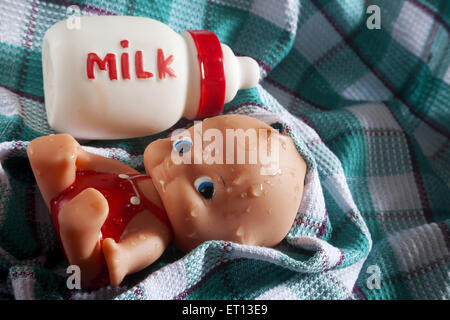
column 143, row 241
column 53, row 159
column 80, row 221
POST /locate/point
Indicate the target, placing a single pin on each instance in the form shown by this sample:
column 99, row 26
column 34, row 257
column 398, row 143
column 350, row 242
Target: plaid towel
column 367, row 108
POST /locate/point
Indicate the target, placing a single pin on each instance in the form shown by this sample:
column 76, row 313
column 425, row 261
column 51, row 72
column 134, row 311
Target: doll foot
column 61, row 147
column 84, row 214
column 80, row 221
column 116, row 261
column 53, row 160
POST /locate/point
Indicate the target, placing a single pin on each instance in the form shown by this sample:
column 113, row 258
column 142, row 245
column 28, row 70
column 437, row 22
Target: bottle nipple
column 249, row 72
column 240, row 72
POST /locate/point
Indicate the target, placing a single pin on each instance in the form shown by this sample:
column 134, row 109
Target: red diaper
column 125, row 200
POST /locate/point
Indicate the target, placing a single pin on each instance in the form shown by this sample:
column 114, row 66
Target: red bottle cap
column 212, row 75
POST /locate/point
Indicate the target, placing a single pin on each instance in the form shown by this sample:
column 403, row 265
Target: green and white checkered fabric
column 369, row 110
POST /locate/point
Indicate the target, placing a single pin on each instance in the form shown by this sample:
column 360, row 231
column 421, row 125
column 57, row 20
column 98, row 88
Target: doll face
column 238, row 201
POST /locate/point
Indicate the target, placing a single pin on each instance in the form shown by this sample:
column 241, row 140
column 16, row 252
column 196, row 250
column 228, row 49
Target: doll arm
column 90, row 161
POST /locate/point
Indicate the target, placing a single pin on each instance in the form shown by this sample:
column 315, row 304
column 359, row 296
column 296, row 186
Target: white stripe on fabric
column 374, row 116
column 165, row 283
column 397, row 192
column 14, row 20
column 9, row 102
column 368, row 87
column 409, row 249
column 23, row 288
column 412, row 27
column 447, row 76
column 270, row 10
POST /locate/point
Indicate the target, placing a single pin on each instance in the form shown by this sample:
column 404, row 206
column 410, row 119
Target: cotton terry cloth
column 368, row 110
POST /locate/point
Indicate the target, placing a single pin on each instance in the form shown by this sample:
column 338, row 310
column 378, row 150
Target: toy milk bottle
column 122, row 77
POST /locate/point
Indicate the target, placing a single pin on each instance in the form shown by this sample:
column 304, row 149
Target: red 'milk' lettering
column 163, row 65
column 139, row 65
column 108, row 63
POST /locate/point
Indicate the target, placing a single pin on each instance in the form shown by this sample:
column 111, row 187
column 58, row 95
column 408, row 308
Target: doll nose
column 155, row 153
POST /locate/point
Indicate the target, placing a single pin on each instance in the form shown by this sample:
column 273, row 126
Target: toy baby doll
column 113, row 221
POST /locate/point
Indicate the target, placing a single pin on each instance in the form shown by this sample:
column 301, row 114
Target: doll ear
column 155, row 153
column 285, row 138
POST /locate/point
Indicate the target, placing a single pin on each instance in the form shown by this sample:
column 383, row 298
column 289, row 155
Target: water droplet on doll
column 191, row 235
column 38, row 173
column 142, row 237
column 163, row 186
column 244, row 195
column 30, row 151
column 269, row 182
column 238, row 181
column 123, row 176
column 193, row 213
column 256, row 190
column 283, row 145
column 135, row 201
column 229, row 189
column 240, row 232
column 247, row 210
column 117, row 221
column 122, row 186
column 270, row 211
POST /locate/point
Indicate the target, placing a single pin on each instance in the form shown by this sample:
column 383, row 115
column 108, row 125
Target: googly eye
column 182, row 145
column 205, row 187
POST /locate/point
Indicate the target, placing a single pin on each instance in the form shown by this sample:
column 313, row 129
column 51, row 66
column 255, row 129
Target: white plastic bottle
column 122, row 77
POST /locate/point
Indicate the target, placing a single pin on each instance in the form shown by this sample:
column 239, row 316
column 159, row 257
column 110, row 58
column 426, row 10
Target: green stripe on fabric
column 10, row 64
column 392, row 285
column 264, row 276
column 226, row 22
column 158, row 9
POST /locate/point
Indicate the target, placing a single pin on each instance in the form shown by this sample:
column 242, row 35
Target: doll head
column 229, row 177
